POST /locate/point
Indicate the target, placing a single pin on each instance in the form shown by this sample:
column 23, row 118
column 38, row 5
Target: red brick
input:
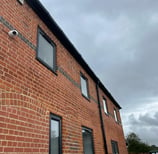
column 8, row 149
column 29, row 92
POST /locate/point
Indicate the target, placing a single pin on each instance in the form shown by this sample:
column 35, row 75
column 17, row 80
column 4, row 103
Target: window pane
column 115, row 115
column 114, row 147
column 45, row 51
column 105, row 106
column 87, row 142
column 84, row 87
column 55, row 137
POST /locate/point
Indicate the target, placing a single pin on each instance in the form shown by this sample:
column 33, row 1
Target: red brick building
column 50, row 99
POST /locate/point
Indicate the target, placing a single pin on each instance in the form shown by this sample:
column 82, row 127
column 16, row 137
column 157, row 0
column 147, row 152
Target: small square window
column 84, row 86
column 105, row 106
column 46, row 50
column 87, row 136
column 55, row 135
column 115, row 149
column 115, row 115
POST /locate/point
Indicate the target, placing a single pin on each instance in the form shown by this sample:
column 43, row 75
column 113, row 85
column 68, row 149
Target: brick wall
column 29, row 92
column 113, row 129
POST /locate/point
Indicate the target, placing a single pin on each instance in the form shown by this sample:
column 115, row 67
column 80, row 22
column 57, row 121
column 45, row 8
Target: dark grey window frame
column 106, row 106
column 47, row 38
column 115, row 143
column 92, row 139
column 56, row 118
column 88, row 96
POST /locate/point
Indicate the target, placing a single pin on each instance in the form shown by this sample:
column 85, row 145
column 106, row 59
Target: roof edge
column 44, row 15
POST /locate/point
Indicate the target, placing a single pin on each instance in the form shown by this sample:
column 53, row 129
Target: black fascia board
column 55, row 29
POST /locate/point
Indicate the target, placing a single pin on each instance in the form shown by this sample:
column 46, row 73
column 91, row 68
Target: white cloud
column 143, row 121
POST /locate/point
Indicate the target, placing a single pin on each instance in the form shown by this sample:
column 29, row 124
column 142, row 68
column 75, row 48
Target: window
column 115, row 115
column 84, row 86
column 55, row 135
column 46, row 50
column 114, row 147
column 87, row 141
column 105, row 106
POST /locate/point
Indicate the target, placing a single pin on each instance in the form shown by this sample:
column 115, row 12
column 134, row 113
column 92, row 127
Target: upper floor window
column 46, row 50
column 115, row 115
column 87, row 136
column 55, row 135
column 114, row 147
column 84, row 86
column 105, row 106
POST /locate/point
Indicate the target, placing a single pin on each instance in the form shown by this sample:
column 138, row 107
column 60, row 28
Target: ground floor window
column 55, row 134
column 114, row 147
column 87, row 135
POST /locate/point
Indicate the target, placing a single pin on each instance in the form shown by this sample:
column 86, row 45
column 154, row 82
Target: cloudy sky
column 119, row 41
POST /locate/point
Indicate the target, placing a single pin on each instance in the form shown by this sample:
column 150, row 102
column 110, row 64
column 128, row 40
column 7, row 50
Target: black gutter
column 55, row 29
column 101, row 119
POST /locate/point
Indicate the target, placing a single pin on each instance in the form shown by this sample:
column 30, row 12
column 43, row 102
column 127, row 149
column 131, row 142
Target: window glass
column 105, row 106
column 114, row 147
column 115, row 115
column 54, row 137
column 55, row 142
column 84, row 87
column 87, row 141
column 46, row 51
